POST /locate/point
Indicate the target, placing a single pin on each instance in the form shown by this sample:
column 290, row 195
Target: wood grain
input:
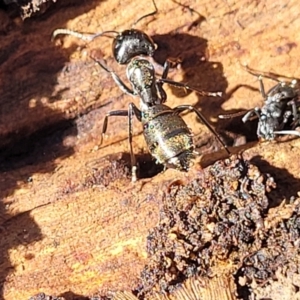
column 63, row 228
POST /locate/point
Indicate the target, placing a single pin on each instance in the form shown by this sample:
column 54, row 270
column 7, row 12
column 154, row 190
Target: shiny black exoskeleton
column 168, row 137
column 131, row 43
column 126, row 44
column 280, row 108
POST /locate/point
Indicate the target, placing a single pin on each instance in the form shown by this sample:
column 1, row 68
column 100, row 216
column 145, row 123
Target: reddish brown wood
column 62, row 230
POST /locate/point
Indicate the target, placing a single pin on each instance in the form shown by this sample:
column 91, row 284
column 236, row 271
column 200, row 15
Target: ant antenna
column 102, row 65
column 83, row 36
column 147, row 15
column 231, row 116
column 269, row 75
column 187, row 7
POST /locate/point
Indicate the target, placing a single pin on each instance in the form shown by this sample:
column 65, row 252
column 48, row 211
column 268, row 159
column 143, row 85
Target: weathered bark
column 71, row 220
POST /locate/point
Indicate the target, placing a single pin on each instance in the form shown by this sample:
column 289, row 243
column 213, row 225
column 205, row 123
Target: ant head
column 282, row 92
column 131, row 43
column 266, row 126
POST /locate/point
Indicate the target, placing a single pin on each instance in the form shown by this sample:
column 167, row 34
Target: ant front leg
column 116, row 78
column 182, row 108
column 159, row 83
column 147, row 15
column 248, row 116
column 169, row 63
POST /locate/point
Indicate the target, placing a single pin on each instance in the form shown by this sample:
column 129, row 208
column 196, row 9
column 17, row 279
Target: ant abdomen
column 168, row 137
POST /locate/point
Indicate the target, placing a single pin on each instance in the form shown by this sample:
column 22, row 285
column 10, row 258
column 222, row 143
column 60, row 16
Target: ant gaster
column 168, row 137
column 279, row 107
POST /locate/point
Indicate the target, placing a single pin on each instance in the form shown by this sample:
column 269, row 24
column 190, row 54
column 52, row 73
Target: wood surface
column 65, row 230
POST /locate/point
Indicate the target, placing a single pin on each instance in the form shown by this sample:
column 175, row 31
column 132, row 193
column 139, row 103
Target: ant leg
column 287, row 114
column 117, row 113
column 285, row 132
column 147, row 15
column 250, row 113
column 262, row 87
column 132, row 110
column 166, row 69
column 233, row 115
column 169, row 63
column 116, row 78
column 187, row 87
column 159, row 83
column 296, row 116
column 294, row 109
column 182, row 108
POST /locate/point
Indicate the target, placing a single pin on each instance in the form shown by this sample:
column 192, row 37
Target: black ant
column 279, row 107
column 168, row 137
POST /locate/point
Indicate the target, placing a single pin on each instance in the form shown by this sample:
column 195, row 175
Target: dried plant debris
column 219, row 238
column 67, row 296
column 42, row 296
column 282, row 288
column 194, row 288
column 274, row 269
column 216, row 223
column 28, row 8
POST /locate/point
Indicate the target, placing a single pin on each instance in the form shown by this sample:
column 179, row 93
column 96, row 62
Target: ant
column 167, row 136
column 279, row 106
